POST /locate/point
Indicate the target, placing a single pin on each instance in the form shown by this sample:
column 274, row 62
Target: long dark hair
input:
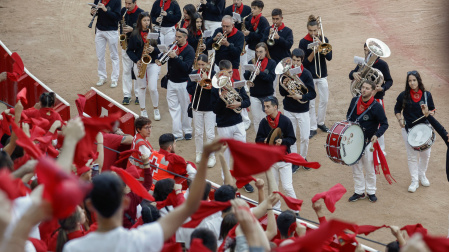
column 139, row 28
column 192, row 25
column 67, row 225
column 47, row 99
column 190, row 9
column 407, row 98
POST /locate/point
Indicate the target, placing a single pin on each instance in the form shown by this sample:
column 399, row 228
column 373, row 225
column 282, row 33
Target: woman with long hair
column 70, row 228
column 409, row 104
column 196, row 29
column 189, row 11
column 136, row 46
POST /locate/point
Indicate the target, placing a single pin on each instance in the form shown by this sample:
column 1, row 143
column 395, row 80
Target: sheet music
column 359, row 60
column 162, row 48
column 237, row 18
column 207, row 33
column 311, row 45
column 249, row 67
column 239, row 84
column 195, row 77
column 153, row 35
column 296, row 70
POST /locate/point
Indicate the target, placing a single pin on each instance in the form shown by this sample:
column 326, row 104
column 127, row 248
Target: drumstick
column 422, row 116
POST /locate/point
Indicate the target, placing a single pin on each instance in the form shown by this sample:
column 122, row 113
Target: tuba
column 250, row 82
column 377, row 49
column 270, row 40
column 225, row 90
column 294, row 85
column 217, row 44
column 145, row 60
column 244, row 29
column 122, row 38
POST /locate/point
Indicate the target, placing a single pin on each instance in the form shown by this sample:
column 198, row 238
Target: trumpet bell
column 283, row 66
column 216, row 46
column 270, row 42
column 377, row 47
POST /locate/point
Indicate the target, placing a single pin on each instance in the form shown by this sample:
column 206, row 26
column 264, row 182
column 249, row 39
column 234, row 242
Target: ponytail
column 312, row 21
column 67, row 225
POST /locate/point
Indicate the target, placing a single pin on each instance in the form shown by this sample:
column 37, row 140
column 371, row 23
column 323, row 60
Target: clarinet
column 93, row 17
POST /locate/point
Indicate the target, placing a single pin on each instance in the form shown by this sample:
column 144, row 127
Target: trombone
column 270, row 40
column 204, row 83
column 217, row 44
column 323, row 48
column 250, row 82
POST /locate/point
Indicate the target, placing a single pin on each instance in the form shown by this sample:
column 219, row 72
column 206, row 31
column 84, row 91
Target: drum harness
column 364, row 112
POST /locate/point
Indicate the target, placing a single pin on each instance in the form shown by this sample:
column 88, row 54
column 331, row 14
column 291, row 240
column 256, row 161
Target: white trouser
column 303, row 121
column 243, row 61
column 203, row 120
column 178, row 101
column 245, row 116
column 417, row 160
column 167, row 35
column 257, row 112
column 236, row 132
column 150, row 80
column 317, row 118
column 101, row 39
column 283, row 170
column 275, row 84
column 368, row 180
column 212, row 25
column 250, row 54
column 127, row 81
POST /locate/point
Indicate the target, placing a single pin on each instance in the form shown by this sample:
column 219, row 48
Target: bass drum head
column 351, row 145
column 419, row 135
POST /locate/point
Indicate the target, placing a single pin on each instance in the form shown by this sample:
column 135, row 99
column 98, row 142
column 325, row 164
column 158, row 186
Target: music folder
column 239, row 84
column 162, row 48
column 153, row 35
column 296, row 70
column 207, row 33
column 237, row 18
column 195, row 77
column 249, row 67
column 312, row 45
column 359, row 60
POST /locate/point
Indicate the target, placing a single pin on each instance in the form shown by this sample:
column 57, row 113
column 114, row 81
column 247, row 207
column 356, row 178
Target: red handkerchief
column 133, row 183
column 206, row 209
column 331, row 197
column 292, row 203
column 22, row 96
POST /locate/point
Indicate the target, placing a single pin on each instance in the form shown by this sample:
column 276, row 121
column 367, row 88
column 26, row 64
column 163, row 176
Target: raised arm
column 73, row 132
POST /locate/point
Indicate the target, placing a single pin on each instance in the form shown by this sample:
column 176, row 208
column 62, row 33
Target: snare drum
column 345, row 142
column 421, row 137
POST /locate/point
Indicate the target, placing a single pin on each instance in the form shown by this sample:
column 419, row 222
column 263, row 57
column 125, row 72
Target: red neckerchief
column 180, row 49
column 198, row 33
column 144, row 36
column 233, row 32
column 186, row 23
column 274, row 123
column 308, row 38
column 416, row 96
column 280, row 27
column 361, row 106
column 105, row 2
column 240, row 9
column 263, row 64
column 302, row 69
column 134, row 10
column 255, row 21
column 166, row 5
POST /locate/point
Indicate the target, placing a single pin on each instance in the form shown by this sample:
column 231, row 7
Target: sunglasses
column 414, row 72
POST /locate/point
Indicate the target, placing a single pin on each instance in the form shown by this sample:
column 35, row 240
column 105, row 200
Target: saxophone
column 198, row 51
column 145, row 60
column 123, row 41
column 244, row 29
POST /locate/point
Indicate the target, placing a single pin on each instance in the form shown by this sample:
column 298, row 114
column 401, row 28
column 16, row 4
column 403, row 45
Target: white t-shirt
column 148, row 237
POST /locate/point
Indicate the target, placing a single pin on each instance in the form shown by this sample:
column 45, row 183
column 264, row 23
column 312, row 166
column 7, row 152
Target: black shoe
column 249, row 188
column 323, row 128
column 356, row 197
column 295, row 168
column 125, row 101
column 297, row 215
column 306, row 168
column 188, row 136
column 312, row 134
column 372, row 197
column 136, row 102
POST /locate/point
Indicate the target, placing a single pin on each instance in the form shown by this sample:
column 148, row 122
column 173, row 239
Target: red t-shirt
column 46, row 113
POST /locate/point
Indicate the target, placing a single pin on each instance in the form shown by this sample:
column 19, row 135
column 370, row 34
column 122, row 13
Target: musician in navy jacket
column 255, row 26
column 106, row 32
column 371, row 117
column 165, row 18
column 242, row 10
column 263, row 82
column 212, row 12
column 409, row 103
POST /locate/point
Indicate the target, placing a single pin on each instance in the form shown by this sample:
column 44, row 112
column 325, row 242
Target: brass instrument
column 323, row 48
column 198, row 50
column 204, row 83
column 377, row 49
column 244, row 29
column 164, row 58
column 225, row 90
column 294, row 84
column 250, row 82
column 217, row 44
column 270, row 40
column 122, row 38
column 145, row 60
column 157, row 28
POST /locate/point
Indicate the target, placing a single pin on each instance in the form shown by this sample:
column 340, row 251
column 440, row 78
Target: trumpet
column 294, row 85
column 164, row 58
column 217, row 44
column 250, row 82
column 270, row 40
column 225, row 90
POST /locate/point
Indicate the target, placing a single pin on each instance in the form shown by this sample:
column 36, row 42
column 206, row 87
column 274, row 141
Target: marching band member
column 189, row 11
column 321, row 85
column 229, row 123
column 283, row 40
column 297, row 112
column 382, row 66
column 203, row 116
column 369, row 114
column 275, row 119
column 106, row 32
column 196, row 29
column 179, row 67
column 212, row 12
column 255, row 28
column 130, row 14
column 409, row 103
column 239, row 8
column 263, row 83
column 135, row 51
column 166, row 17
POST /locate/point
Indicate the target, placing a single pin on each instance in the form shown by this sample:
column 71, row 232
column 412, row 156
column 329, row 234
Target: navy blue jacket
column 288, row 134
column 173, row 14
column 303, row 43
column 206, row 94
column 108, row 21
column 213, row 10
column 263, row 83
column 130, row 19
column 412, row 110
column 193, row 40
column 388, row 81
column 255, row 36
column 135, row 47
column 245, row 12
column 231, row 52
column 443, row 133
column 179, row 68
column 282, row 46
column 227, row 117
column 293, row 105
column 370, row 121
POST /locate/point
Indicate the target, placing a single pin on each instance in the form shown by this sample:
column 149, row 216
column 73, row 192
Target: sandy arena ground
column 57, row 47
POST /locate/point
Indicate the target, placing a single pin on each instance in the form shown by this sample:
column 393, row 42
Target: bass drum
column 421, row 137
column 345, row 142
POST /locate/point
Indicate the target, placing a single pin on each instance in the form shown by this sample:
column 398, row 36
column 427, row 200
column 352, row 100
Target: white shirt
column 148, row 237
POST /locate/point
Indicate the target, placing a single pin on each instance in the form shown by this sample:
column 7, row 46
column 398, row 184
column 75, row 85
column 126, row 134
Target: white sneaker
column 144, row 113
column 113, row 84
column 101, row 82
column 157, row 115
column 413, row 186
column 211, row 162
column 424, row 181
column 198, row 157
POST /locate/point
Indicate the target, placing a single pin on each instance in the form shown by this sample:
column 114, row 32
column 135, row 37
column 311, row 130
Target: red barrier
column 34, row 86
column 99, row 104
